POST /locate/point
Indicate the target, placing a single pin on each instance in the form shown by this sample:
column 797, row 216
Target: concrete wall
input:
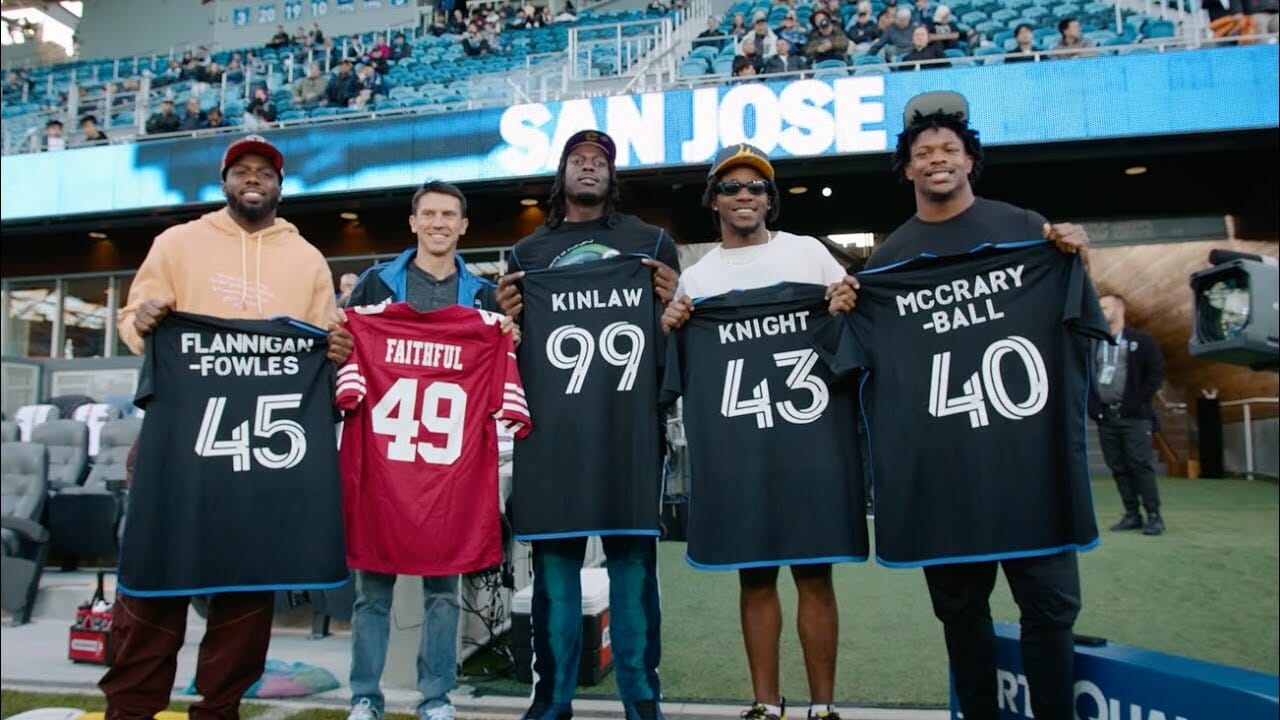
column 124, row 28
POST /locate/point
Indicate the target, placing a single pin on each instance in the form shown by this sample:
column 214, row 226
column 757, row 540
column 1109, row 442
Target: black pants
column 1126, row 444
column 1047, row 590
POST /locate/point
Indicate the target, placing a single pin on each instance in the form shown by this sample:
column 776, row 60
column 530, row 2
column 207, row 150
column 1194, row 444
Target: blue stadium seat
column 1004, row 15
column 693, row 68
column 1002, row 38
column 953, row 53
column 1158, row 29
column 722, row 65
column 870, row 70
column 861, row 60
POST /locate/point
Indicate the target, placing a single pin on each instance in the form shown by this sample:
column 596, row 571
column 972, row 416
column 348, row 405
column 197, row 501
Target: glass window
column 84, row 317
column 33, row 305
column 122, row 294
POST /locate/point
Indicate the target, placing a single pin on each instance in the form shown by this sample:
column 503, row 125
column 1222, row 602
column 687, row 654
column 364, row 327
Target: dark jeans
column 1126, row 444
column 634, row 616
column 148, row 632
column 1047, row 590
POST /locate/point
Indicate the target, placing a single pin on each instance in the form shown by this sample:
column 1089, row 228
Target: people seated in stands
column 309, row 92
column 766, row 42
column 655, row 7
column 519, row 21
column 261, row 110
column 711, row 37
column 164, row 121
column 301, row 38
column 783, row 60
column 791, row 31
column 213, row 119
column 254, row 64
column 171, row 74
column 475, row 44
column 920, row 14
column 457, row 22
column 1072, row 41
column 826, row 41
column 922, row 49
column 356, row 50
column 862, row 28
column 316, row 38
column 509, row 10
column 541, row 17
column 896, row 39
column 400, row 48
column 53, row 138
column 343, row 86
column 235, row 69
column 568, row 13
column 326, row 52
column 439, row 24
column 947, row 33
column 749, row 50
column 737, row 27
column 280, row 39
column 193, row 118
column 371, row 86
column 93, row 135
column 14, row 83
column 743, row 69
column 380, row 54
column 1025, row 51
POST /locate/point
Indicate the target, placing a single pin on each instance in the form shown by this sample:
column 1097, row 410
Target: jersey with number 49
column 589, row 359
column 977, row 378
column 419, row 451
column 776, row 476
column 236, row 484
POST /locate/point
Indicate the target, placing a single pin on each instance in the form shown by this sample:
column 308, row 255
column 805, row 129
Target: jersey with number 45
column 419, row 453
column 977, row 376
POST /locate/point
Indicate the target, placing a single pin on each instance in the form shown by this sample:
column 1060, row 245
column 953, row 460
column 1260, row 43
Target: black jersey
column 775, row 471
column 236, row 485
column 974, row 399
column 574, row 243
column 985, row 222
column 589, row 362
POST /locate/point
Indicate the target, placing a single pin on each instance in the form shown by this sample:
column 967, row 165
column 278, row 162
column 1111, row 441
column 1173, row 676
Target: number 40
column 973, row 401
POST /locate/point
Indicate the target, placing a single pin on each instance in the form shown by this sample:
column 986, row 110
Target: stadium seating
column 67, row 442
column 83, row 520
column 24, row 483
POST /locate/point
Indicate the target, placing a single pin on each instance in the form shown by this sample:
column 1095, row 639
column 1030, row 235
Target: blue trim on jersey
column 976, row 248
column 587, row 533
column 301, row 325
column 962, row 559
column 229, row 588
column 658, row 244
column 778, row 563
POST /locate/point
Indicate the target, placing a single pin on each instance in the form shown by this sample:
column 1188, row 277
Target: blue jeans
column 635, row 616
column 437, row 648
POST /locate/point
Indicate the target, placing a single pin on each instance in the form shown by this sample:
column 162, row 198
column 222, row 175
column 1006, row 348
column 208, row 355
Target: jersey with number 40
column 977, row 375
column 419, row 452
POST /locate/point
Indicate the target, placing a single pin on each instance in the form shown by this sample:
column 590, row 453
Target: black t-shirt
column 589, row 360
column 572, row 243
column 236, row 485
column 775, row 464
column 977, row 376
column 986, row 222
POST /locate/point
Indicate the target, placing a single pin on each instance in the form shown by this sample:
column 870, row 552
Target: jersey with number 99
column 419, row 453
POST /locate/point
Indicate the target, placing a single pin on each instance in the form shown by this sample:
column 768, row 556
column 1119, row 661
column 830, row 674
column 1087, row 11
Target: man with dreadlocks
column 584, row 225
column 941, row 156
column 743, row 198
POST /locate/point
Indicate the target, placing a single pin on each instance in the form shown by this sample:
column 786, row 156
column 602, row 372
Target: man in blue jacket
column 428, row 276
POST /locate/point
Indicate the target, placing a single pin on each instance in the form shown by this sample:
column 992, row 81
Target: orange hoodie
column 213, row 267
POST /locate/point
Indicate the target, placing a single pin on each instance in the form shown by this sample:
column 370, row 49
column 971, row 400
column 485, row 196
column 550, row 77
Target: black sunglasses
column 733, row 187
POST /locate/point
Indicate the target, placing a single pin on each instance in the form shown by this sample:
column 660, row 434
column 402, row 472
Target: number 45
column 264, row 426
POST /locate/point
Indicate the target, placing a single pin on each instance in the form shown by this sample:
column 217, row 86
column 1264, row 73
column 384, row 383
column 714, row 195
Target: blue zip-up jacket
column 386, row 281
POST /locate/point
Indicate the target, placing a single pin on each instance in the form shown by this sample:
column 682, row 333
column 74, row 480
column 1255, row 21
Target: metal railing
column 1245, row 406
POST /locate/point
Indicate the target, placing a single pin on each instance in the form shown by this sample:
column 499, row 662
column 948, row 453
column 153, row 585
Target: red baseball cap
column 253, row 145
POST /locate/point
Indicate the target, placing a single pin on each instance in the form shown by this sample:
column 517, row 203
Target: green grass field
column 1206, row 589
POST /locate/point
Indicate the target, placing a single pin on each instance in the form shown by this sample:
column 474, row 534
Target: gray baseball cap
column 941, row 101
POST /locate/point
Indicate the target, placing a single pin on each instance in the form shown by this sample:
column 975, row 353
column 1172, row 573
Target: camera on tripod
column 1236, row 316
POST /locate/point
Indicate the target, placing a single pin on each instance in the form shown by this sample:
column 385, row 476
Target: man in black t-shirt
column 941, row 157
column 584, row 225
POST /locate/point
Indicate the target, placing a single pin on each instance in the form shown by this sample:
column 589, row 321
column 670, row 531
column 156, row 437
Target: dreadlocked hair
column 968, row 136
column 709, row 195
column 559, row 204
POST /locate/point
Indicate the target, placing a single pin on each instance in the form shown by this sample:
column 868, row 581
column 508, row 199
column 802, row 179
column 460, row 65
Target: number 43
column 801, row 363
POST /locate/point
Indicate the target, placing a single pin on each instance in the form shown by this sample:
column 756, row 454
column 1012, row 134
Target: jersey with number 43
column 236, row 485
column 419, row 451
column 977, row 378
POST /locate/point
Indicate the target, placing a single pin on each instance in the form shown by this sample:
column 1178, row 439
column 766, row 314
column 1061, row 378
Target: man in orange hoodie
column 240, row 262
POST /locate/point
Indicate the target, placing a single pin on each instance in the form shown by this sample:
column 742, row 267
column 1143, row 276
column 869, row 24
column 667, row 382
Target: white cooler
column 597, row 651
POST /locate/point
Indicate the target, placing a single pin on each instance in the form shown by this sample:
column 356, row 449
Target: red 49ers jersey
column 419, row 453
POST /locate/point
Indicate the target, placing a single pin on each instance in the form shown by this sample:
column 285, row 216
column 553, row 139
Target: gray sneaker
column 440, row 712
column 363, row 710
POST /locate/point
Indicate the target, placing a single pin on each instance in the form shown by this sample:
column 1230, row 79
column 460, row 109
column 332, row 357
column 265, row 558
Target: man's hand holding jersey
column 676, row 314
column 842, row 295
column 150, row 313
column 341, row 341
column 1069, row 237
column 664, row 280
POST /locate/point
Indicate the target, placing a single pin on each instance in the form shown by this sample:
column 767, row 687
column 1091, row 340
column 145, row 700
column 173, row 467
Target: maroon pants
column 148, row 632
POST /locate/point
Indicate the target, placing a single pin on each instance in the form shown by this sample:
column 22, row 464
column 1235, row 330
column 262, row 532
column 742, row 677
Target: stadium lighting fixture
column 797, row 189
column 859, row 240
column 826, row 192
column 349, row 215
column 98, row 235
column 1135, row 170
column 528, row 202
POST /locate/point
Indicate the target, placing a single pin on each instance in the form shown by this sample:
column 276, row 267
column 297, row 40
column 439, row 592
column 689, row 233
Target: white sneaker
column 363, row 710
column 443, row 712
